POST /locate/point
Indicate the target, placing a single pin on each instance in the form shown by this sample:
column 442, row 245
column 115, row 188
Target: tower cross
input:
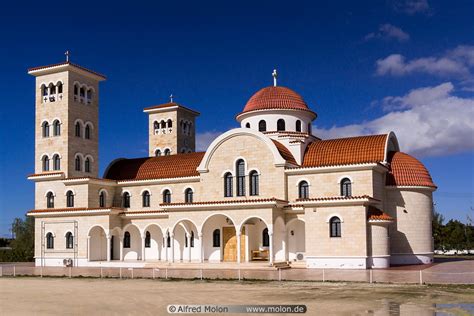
column 67, row 53
column 274, row 75
column 171, row 98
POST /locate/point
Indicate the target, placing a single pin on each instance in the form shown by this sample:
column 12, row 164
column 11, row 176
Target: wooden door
column 229, row 241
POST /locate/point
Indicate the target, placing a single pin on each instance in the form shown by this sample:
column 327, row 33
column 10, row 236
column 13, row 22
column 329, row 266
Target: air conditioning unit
column 67, row 262
column 299, row 256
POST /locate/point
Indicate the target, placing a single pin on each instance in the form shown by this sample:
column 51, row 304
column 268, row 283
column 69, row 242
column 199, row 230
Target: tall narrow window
column 102, row 199
column 78, row 129
column 69, row 199
column 45, row 91
column 56, row 128
column 216, row 238
column 60, row 87
column 157, row 153
column 82, row 92
column 240, row 168
column 166, row 196
column 45, row 128
column 147, row 240
column 69, row 240
column 52, row 89
column 89, row 96
column 49, row 241
column 228, row 184
column 45, row 163
column 281, row 125
column 265, row 238
column 76, row 91
column 192, row 239
column 346, row 187
column 50, row 200
column 56, row 162
column 253, row 182
column 168, row 240
column 167, row 152
column 169, row 123
column 298, row 125
column 163, row 124
column 309, row 128
column 335, row 227
column 303, row 190
column 126, row 240
column 188, row 195
column 87, row 132
column 126, row 199
column 78, row 163
column 146, row 199
column 262, row 126
column 87, row 165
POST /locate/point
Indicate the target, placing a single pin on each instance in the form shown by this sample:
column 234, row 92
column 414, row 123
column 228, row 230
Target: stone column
column 172, row 246
column 108, row 248
column 121, row 249
column 201, row 248
column 238, row 234
column 270, row 235
column 88, row 248
column 285, row 245
column 143, row 247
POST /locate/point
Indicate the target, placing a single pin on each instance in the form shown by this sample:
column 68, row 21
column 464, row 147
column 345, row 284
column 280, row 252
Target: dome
column 276, row 97
column 406, row 170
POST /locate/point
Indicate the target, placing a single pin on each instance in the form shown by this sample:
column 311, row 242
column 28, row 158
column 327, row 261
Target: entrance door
column 229, row 240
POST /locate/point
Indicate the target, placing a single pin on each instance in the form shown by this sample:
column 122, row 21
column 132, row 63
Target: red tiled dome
column 275, row 98
column 406, row 170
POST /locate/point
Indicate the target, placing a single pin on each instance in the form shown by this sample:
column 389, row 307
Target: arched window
column 253, row 182
column 78, row 129
column 146, row 199
column 167, row 152
column 303, row 190
column 247, row 125
column 298, row 125
column 76, row 91
column 56, row 128
column 45, row 90
column 163, row 124
column 56, row 162
column 281, row 125
column 102, row 199
column 87, row 165
column 147, row 240
column 69, row 240
column 166, row 196
column 60, row 87
column 265, row 238
column 82, row 92
column 156, row 126
column 78, row 163
column 240, row 168
column 50, row 200
column 126, row 199
column 216, row 238
column 335, row 227
column 309, row 128
column 52, row 89
column 89, row 96
column 262, row 126
column 45, row 163
column 126, row 240
column 157, row 153
column 70, row 199
column 346, row 187
column 168, row 240
column 188, row 195
column 45, row 128
column 169, row 123
column 49, row 241
column 228, row 184
column 87, row 132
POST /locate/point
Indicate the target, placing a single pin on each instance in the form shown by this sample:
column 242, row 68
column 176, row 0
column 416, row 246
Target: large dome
column 276, row 98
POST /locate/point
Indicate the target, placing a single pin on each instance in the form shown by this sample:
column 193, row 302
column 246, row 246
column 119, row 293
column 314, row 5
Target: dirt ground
column 46, row 296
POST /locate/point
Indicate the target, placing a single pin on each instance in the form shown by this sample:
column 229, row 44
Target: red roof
column 285, row 152
column 406, row 170
column 67, row 63
column 345, row 151
column 374, row 213
column 169, row 105
column 276, row 98
column 173, row 166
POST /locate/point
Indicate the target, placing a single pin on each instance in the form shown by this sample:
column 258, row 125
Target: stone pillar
column 88, row 248
column 108, row 247
column 201, row 248
column 121, row 249
column 285, row 245
column 143, row 247
column 238, row 234
column 189, row 246
column 172, row 246
column 270, row 235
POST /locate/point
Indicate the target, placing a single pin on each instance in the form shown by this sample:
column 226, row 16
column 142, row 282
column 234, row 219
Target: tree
column 23, row 244
column 438, row 231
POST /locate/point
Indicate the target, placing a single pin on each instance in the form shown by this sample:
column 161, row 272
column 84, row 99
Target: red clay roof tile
column 406, row 170
column 285, row 152
column 374, row 213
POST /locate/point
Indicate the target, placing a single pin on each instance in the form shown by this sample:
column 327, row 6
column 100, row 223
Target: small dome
column 276, row 98
column 406, row 170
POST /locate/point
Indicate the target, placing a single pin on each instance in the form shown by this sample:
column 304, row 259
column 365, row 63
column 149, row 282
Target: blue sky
column 365, row 68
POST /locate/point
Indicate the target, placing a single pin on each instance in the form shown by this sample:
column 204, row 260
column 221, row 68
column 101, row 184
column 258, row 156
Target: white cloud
column 203, row 140
column 388, row 31
column 428, row 121
column 411, row 7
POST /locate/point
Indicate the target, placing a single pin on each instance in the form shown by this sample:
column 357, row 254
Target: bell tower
column 171, row 129
column 67, row 119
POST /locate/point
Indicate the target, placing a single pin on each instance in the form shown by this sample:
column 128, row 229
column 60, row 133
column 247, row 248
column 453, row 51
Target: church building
column 268, row 191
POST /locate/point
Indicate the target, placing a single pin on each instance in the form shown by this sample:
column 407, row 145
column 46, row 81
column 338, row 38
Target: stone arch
column 154, row 250
column 134, row 252
column 296, row 230
column 185, row 249
column 219, row 220
column 97, row 236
